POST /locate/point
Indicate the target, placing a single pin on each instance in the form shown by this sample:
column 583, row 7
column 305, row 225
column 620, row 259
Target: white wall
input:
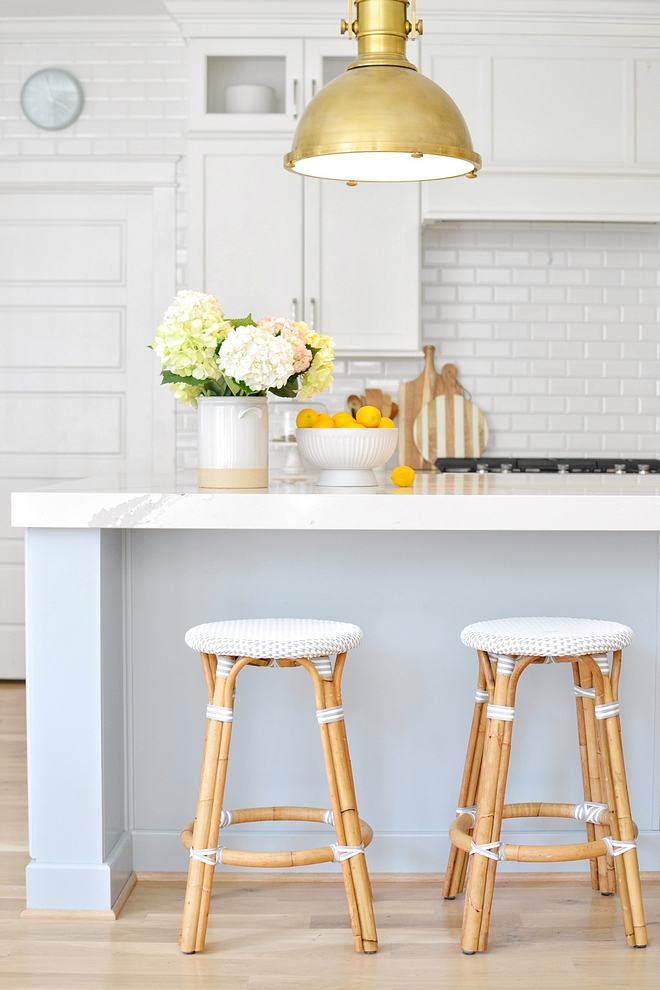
column 135, row 109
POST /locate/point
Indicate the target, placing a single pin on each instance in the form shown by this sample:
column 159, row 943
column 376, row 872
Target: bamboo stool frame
column 349, row 829
column 484, row 784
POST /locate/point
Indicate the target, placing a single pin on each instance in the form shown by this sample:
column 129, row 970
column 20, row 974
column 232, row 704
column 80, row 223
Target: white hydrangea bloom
column 254, row 356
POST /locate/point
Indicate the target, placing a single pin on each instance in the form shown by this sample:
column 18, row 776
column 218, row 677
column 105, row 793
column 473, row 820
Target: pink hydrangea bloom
column 295, row 334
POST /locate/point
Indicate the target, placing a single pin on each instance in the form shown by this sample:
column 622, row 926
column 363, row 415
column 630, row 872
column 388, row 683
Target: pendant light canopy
column 382, row 121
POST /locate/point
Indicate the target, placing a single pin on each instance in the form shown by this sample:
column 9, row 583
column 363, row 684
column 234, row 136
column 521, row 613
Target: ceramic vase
column 233, row 442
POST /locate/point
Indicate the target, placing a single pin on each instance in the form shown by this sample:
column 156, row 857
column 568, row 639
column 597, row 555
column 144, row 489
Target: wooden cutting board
column 450, row 426
column 416, row 394
column 412, row 396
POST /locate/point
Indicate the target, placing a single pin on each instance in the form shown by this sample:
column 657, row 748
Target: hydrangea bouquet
column 202, row 353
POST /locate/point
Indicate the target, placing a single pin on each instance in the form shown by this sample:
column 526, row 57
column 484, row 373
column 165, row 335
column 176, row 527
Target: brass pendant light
column 382, row 121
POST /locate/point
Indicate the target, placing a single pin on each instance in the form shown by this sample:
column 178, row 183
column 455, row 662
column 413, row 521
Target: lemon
column 324, row 422
column 306, row 418
column 386, row 424
column 403, row 476
column 343, row 420
column 368, row 416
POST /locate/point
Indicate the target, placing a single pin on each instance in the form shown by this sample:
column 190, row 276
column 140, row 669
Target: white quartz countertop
column 434, row 502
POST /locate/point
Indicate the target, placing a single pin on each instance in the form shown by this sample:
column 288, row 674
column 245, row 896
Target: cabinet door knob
column 294, row 309
column 312, row 314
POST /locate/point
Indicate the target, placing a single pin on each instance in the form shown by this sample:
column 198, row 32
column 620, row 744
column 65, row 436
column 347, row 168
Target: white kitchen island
column 119, row 568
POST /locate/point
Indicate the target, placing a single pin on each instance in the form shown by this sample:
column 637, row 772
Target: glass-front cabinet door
column 245, row 84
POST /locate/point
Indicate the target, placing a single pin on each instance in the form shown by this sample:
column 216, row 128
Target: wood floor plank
column 267, row 933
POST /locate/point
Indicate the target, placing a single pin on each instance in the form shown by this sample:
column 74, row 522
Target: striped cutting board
column 450, row 426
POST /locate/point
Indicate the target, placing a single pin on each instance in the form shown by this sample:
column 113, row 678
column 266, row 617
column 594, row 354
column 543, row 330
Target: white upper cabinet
column 362, row 264
column 566, row 121
column 247, row 228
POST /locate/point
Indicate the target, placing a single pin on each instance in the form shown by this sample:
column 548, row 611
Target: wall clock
column 52, row 99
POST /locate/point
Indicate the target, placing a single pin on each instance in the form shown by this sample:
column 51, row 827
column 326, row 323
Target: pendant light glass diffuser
column 382, row 121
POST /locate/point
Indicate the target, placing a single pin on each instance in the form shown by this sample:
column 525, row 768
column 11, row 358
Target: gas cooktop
column 538, row 465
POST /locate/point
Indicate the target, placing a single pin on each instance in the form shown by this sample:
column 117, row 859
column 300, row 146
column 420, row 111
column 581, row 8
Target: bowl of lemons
column 346, row 449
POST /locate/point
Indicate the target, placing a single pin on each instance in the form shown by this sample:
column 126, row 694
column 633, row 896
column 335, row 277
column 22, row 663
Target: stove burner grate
column 547, row 465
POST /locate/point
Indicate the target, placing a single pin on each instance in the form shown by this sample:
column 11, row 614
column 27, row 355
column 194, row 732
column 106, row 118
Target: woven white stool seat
column 274, row 639
column 539, row 636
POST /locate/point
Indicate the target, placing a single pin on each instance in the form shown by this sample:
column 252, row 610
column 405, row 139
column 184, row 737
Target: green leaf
column 237, row 388
column 247, row 321
column 289, row 390
column 217, row 388
column 168, row 378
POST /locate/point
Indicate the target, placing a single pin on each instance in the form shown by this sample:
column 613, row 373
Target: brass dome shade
column 382, row 121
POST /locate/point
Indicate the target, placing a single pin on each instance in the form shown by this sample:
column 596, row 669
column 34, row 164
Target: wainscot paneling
column 86, row 269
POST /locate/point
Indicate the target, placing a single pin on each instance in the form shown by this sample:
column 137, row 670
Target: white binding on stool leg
column 491, row 850
column 607, row 711
column 219, row 714
column 581, row 692
column 342, row 853
column 323, row 666
column 224, row 667
column 589, row 811
column 616, row 847
column 471, row 811
column 324, row 715
column 481, row 696
column 328, row 817
column 226, row 818
column 204, row 855
column 603, row 662
column 505, row 664
column 502, row 712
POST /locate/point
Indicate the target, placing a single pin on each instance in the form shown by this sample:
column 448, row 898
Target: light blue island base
column 116, row 701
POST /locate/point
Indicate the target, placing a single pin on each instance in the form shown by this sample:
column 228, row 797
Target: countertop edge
column 400, row 510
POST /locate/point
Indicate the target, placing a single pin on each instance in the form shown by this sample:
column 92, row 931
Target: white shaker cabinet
column 247, row 229
column 362, row 264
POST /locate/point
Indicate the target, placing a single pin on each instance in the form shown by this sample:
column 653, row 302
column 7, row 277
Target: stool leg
column 491, row 866
column 628, row 867
column 351, row 823
column 205, row 831
column 602, row 869
column 458, row 858
column 344, row 807
column 474, row 938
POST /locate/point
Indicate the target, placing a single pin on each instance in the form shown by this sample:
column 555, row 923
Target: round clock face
column 52, row 99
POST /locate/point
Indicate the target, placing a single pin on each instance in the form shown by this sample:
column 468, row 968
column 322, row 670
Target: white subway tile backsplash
column 554, row 327
column 639, row 386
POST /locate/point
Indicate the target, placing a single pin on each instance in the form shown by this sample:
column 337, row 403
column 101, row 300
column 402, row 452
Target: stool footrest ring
column 461, row 827
column 332, row 853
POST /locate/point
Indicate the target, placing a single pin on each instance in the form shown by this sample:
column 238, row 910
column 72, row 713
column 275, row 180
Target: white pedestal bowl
column 347, row 457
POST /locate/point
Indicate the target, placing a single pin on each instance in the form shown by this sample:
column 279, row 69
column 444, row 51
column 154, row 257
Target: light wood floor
column 290, row 935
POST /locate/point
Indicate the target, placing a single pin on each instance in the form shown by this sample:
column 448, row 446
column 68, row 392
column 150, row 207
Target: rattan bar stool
column 505, row 647
column 225, row 648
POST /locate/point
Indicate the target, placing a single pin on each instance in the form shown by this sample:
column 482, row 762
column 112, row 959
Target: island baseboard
column 64, row 914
